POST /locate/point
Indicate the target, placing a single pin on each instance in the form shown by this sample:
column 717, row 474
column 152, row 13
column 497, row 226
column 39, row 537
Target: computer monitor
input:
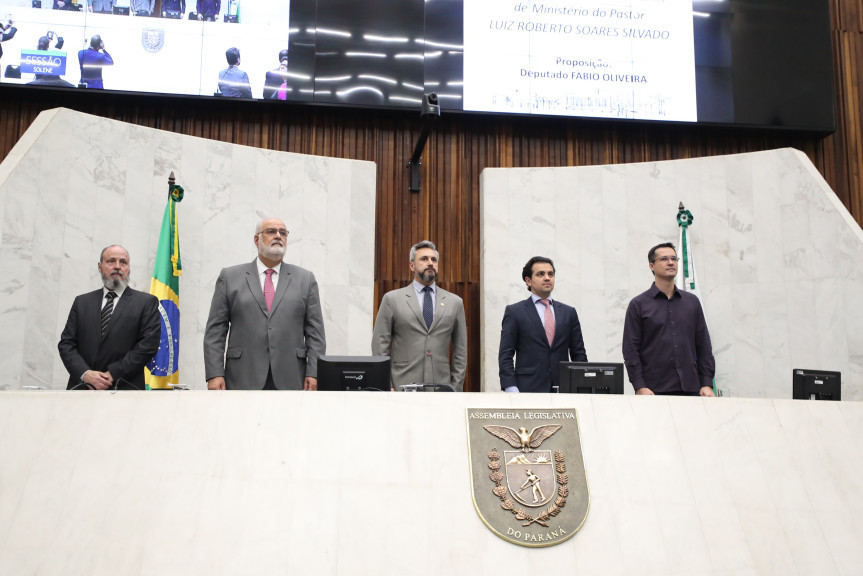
column 590, row 378
column 354, row 373
column 816, row 385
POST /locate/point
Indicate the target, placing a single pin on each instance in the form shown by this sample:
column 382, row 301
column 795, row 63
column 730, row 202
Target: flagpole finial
column 171, row 180
column 680, row 207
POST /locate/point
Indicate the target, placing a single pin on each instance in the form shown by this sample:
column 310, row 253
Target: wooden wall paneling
column 846, row 66
column 854, row 121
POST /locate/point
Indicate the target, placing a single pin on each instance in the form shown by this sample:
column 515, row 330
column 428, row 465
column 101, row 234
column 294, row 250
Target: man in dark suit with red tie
column 112, row 332
column 539, row 333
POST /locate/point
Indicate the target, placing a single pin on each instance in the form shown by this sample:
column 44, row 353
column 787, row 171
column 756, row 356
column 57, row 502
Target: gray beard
column 428, row 276
column 274, row 252
column 114, row 282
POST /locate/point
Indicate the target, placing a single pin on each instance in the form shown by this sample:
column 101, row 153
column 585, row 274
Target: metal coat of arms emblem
column 527, row 474
column 152, row 39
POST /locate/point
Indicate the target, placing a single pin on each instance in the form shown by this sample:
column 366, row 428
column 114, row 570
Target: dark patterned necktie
column 107, row 311
column 428, row 307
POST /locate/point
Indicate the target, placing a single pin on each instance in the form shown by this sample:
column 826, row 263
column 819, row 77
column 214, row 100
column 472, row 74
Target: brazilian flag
column 163, row 370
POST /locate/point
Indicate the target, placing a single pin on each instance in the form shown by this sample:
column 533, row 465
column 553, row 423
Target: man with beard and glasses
column 112, row 332
column 539, row 333
column 270, row 314
column 417, row 324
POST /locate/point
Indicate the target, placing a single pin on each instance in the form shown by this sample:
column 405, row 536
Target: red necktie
column 269, row 290
column 549, row 321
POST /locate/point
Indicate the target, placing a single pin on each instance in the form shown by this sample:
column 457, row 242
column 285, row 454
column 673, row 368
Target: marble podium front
column 325, row 483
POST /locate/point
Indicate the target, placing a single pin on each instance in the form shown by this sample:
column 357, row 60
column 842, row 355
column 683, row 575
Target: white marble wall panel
column 779, row 259
column 228, row 483
column 75, row 183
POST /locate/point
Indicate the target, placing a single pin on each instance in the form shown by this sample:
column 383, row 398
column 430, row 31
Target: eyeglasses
column 665, row 259
column 274, row 231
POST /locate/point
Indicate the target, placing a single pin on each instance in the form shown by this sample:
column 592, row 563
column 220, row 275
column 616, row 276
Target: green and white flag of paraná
column 686, row 279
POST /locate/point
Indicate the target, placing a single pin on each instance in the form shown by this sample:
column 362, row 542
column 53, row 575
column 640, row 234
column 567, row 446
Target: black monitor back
column 816, row 384
column 591, row 378
column 354, row 373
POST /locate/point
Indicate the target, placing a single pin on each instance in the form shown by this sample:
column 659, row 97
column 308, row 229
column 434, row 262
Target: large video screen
column 739, row 62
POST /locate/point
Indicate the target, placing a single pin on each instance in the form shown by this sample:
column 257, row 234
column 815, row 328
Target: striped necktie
column 107, row 311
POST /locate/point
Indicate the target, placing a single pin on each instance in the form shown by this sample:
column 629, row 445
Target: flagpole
column 686, row 279
column 162, row 372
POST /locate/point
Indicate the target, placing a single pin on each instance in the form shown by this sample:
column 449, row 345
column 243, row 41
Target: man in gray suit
column 416, row 325
column 274, row 315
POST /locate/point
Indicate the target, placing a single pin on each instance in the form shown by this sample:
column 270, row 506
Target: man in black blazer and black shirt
column 539, row 332
column 112, row 332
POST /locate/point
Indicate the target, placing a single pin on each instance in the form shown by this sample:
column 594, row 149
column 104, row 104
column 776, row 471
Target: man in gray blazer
column 274, row 315
column 416, row 325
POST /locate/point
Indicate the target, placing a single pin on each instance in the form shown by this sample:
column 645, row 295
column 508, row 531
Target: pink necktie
column 549, row 321
column 269, row 290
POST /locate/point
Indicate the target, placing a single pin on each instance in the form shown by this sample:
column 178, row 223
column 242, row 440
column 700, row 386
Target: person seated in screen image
column 233, row 82
column 92, row 60
column 276, row 82
column 417, row 324
column 208, row 9
column 173, row 8
column 100, row 6
column 270, row 314
column 666, row 346
column 539, row 333
column 112, row 332
column 50, row 79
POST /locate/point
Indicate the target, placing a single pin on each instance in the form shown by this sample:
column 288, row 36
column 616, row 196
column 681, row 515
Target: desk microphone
column 117, row 385
column 79, row 384
column 114, row 387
